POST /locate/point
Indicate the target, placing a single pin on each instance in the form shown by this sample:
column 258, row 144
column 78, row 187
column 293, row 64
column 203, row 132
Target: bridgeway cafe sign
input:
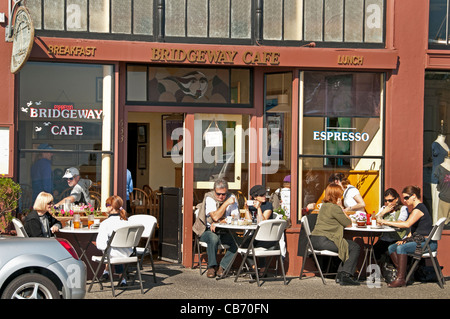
column 64, row 114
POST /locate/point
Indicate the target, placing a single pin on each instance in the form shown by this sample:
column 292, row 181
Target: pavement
column 184, row 291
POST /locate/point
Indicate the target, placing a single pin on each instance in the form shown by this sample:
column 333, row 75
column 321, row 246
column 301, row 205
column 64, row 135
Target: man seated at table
column 216, row 206
column 80, row 187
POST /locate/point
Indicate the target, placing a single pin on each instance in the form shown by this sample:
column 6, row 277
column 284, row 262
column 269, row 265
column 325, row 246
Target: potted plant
column 10, row 193
column 360, row 218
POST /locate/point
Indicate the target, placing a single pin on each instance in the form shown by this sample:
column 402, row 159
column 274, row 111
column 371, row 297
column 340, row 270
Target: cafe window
column 436, row 133
column 188, row 86
column 341, row 131
column 65, row 117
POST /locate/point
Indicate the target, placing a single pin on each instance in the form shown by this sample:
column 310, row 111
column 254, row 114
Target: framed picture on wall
column 172, row 135
column 142, row 133
column 142, row 157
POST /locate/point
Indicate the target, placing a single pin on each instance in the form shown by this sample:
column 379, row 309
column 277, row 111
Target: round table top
column 84, row 230
column 238, row 227
column 370, row 228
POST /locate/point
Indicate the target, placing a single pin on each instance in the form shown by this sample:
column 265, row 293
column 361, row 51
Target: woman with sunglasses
column 39, row 222
column 420, row 222
column 392, row 210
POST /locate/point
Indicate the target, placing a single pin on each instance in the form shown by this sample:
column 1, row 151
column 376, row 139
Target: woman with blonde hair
column 117, row 218
column 329, row 234
column 39, row 222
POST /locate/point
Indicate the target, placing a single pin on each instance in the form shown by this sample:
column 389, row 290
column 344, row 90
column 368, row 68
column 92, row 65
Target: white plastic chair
column 124, row 237
column 267, row 230
column 20, row 230
column 149, row 223
column 198, row 245
column 435, row 234
column 309, row 250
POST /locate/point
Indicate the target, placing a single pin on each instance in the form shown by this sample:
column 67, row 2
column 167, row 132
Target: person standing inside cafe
column 39, row 222
column 329, row 234
column 420, row 223
column 216, row 206
column 80, row 187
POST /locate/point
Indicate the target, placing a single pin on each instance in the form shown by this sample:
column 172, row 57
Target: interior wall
column 160, row 171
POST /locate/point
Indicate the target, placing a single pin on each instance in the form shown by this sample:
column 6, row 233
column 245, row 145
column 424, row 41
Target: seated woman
column 261, row 209
column 420, row 222
column 329, row 234
column 117, row 218
column 393, row 210
column 39, row 222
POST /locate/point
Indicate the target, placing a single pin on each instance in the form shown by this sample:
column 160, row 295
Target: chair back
column 271, row 230
column 139, row 201
column 19, row 228
column 148, row 221
column 436, row 232
column 305, row 224
column 127, row 237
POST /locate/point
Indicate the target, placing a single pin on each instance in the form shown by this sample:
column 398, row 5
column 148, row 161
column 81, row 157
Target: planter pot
column 361, row 223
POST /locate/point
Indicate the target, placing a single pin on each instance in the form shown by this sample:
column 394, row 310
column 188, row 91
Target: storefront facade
column 306, row 104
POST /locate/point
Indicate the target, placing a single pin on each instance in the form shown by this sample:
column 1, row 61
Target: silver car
column 40, row 268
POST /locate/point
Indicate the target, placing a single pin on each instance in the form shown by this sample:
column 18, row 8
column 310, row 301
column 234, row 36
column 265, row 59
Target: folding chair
column 124, row 237
column 198, row 245
column 20, row 230
column 309, row 250
column 268, row 230
column 435, row 234
column 149, row 223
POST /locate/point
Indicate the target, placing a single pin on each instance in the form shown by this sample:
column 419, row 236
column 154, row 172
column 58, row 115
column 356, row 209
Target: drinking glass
column 90, row 220
column 76, row 221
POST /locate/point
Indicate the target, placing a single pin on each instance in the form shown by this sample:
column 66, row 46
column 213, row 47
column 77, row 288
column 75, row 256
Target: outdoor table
column 371, row 232
column 78, row 234
column 249, row 232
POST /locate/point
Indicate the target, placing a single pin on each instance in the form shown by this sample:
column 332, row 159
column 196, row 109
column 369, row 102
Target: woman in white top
column 353, row 201
column 117, row 218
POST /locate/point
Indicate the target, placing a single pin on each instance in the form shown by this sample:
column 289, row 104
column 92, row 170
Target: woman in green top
column 329, row 234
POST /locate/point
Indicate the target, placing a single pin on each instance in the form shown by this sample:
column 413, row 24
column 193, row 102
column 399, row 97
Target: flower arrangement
column 89, row 209
column 86, row 209
column 282, row 212
column 360, row 217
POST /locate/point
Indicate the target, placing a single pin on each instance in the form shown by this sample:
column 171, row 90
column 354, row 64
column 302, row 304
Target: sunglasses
column 389, row 200
column 407, row 197
column 50, row 203
column 107, row 205
column 70, row 179
column 221, row 194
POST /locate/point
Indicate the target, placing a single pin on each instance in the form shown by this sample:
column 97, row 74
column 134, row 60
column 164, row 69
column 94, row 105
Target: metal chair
column 198, row 245
column 268, row 231
column 309, row 250
column 20, row 230
column 149, row 223
column 435, row 234
column 124, row 237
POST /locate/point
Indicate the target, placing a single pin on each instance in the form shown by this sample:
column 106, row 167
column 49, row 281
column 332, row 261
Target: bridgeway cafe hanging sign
column 62, row 119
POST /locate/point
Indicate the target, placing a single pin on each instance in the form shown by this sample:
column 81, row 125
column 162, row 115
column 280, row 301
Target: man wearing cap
column 41, row 171
column 80, row 187
column 216, row 206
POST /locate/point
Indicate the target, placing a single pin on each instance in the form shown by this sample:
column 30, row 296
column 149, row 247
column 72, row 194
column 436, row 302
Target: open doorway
column 154, row 158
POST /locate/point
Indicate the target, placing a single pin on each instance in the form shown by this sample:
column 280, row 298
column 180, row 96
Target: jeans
column 213, row 240
column 349, row 266
column 410, row 247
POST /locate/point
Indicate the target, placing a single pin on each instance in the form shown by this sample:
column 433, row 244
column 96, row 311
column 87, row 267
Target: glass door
column 217, row 150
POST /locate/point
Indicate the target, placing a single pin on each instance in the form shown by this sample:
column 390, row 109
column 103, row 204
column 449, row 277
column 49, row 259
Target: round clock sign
column 23, row 39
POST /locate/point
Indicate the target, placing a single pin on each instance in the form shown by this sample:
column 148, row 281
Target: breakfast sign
column 61, row 119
